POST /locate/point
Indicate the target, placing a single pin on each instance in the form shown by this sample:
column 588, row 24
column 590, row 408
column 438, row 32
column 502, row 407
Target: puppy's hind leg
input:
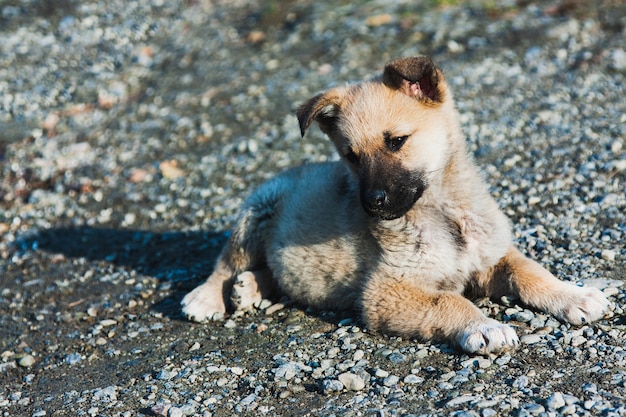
column 250, row 287
column 525, row 279
column 245, row 251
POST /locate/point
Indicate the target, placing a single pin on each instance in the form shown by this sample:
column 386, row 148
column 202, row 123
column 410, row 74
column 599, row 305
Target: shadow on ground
column 183, row 259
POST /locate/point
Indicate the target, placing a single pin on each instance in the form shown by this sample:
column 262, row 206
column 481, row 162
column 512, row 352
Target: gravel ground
column 130, row 131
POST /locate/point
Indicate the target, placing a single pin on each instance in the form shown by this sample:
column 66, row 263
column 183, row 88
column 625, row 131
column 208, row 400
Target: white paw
column 206, row 302
column 246, row 291
column 585, row 304
column 487, row 336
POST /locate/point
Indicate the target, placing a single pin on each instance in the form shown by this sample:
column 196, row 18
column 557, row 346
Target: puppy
column 397, row 231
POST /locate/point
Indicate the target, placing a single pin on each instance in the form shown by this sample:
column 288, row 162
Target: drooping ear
column 323, row 108
column 416, row 77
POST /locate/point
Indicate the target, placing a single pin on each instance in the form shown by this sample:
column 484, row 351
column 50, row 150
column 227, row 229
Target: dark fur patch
column 401, row 187
column 420, row 70
column 447, row 285
column 454, row 230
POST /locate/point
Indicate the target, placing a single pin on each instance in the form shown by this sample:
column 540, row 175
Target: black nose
column 377, row 199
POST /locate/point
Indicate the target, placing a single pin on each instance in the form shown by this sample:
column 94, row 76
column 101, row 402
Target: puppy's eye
column 395, row 143
column 351, row 156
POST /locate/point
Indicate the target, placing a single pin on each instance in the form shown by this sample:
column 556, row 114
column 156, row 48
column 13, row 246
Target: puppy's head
column 393, row 131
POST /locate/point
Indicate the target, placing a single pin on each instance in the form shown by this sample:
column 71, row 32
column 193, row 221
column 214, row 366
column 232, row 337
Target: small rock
column 237, row 370
column 391, row 380
column 274, row 308
column 461, row 399
column 578, row 340
column 351, row 381
column 107, row 394
column 248, row 401
column 26, row 361
column 555, row 401
column 73, row 358
column 379, row 20
column 397, row 357
column 165, row 375
column 413, row 379
column 534, row 409
column 608, row 255
column 175, row 412
column 422, row 353
column 331, row 385
column 478, row 362
column 230, row 324
column 524, row 316
column 520, row 382
column 263, row 304
column 618, row 59
column 170, row 170
column 531, row 339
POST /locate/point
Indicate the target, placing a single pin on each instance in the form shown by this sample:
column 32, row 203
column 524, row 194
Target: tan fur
column 398, row 231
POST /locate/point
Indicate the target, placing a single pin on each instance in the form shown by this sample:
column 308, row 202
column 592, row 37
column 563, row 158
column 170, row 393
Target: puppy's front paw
column 246, row 291
column 583, row 305
column 204, row 303
column 487, row 337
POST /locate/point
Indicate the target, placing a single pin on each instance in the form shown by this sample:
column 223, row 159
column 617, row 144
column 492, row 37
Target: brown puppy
column 398, row 230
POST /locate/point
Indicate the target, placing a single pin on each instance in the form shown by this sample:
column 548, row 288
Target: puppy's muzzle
column 379, row 203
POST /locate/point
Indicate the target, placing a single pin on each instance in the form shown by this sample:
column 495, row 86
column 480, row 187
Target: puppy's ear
column 323, row 108
column 416, row 77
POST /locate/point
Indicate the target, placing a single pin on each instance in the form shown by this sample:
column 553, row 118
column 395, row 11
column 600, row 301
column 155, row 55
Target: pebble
column 26, row 361
column 578, row 340
column 175, row 412
column 391, row 380
column 331, row 385
column 608, row 255
column 237, row 370
column 230, row 324
column 523, row 316
column 165, row 374
column 461, row 399
column 555, row 401
column 397, row 357
column 351, row 381
column 534, row 409
column 520, row 382
column 73, row 358
column 531, row 339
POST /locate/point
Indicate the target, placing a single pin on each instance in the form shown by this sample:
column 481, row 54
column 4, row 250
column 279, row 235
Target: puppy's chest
column 436, row 243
